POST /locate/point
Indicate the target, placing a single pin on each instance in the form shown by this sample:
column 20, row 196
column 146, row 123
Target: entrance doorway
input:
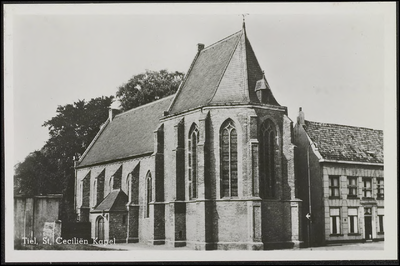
column 100, row 228
column 368, row 224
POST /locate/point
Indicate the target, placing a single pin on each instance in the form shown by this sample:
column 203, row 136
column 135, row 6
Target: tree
column 147, row 87
column 51, row 170
column 36, row 175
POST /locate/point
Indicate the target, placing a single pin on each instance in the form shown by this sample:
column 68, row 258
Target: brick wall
column 118, row 226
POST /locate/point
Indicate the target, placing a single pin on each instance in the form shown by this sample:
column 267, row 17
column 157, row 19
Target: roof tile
column 114, row 201
column 129, row 134
column 346, row 143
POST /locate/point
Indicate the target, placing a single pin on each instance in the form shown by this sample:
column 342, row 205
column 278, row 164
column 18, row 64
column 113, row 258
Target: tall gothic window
column 128, row 186
column 94, row 194
column 149, row 190
column 111, row 183
column 192, row 160
column 268, row 147
column 229, row 162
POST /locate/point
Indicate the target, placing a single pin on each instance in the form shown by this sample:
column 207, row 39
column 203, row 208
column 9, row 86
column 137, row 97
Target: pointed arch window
column 111, row 183
column 268, row 160
column 81, row 191
column 193, row 161
column 94, row 194
column 149, row 193
column 128, row 187
column 229, row 160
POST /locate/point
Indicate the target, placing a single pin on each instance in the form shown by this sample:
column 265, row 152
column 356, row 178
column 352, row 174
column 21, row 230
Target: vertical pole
column 309, row 195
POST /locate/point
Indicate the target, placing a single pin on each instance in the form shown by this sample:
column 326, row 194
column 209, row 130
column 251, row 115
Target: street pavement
column 379, row 245
column 344, row 246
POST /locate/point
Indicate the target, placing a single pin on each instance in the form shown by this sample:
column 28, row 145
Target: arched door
column 100, row 228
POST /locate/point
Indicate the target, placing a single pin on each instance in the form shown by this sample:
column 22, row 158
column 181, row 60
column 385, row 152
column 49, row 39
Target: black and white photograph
column 200, row 132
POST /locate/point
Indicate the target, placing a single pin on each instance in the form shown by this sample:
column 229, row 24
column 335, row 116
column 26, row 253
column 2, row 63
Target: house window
column 353, row 220
column 149, row 191
column 380, row 188
column 367, row 187
column 124, row 219
column 335, row 220
column 268, row 139
column 334, row 186
column 192, row 161
column 229, row 175
column 380, row 220
column 352, row 187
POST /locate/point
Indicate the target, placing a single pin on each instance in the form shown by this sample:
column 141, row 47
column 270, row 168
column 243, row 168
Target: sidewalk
column 139, row 246
column 379, row 245
column 343, row 246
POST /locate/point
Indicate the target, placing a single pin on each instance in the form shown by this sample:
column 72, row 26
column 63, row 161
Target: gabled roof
column 224, row 72
column 115, row 201
column 346, row 143
column 128, row 134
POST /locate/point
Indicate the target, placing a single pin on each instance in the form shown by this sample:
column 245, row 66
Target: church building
column 210, row 167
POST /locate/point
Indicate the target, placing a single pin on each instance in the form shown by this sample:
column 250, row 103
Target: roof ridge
column 222, row 40
column 146, row 105
column 344, row 125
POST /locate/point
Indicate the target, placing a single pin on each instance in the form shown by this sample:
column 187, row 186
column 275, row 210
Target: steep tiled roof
column 128, row 134
column 346, row 143
column 224, row 72
column 115, row 201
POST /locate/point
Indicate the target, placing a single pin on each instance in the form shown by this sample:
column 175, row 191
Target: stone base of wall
column 200, row 245
column 176, row 243
column 132, row 240
column 225, row 245
column 120, row 240
column 279, row 245
column 156, row 242
column 298, row 244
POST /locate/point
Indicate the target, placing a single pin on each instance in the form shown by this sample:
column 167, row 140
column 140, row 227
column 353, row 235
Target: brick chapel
column 210, row 167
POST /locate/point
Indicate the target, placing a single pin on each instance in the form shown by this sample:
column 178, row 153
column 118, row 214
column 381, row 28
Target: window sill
column 368, row 198
column 352, row 197
column 381, row 233
column 354, row 234
column 334, row 197
column 336, row 235
column 380, row 198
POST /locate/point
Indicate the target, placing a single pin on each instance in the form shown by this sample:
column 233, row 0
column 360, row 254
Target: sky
column 330, row 59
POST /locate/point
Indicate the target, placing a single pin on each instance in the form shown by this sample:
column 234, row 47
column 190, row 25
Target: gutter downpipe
column 309, row 195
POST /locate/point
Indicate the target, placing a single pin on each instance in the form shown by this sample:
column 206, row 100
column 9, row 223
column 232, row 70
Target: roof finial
column 244, row 20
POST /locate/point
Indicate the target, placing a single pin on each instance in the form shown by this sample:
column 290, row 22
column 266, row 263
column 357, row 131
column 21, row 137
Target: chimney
column 300, row 118
column 200, row 47
column 112, row 113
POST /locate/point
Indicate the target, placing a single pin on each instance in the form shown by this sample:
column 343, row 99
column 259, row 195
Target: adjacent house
column 210, row 167
column 340, row 179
